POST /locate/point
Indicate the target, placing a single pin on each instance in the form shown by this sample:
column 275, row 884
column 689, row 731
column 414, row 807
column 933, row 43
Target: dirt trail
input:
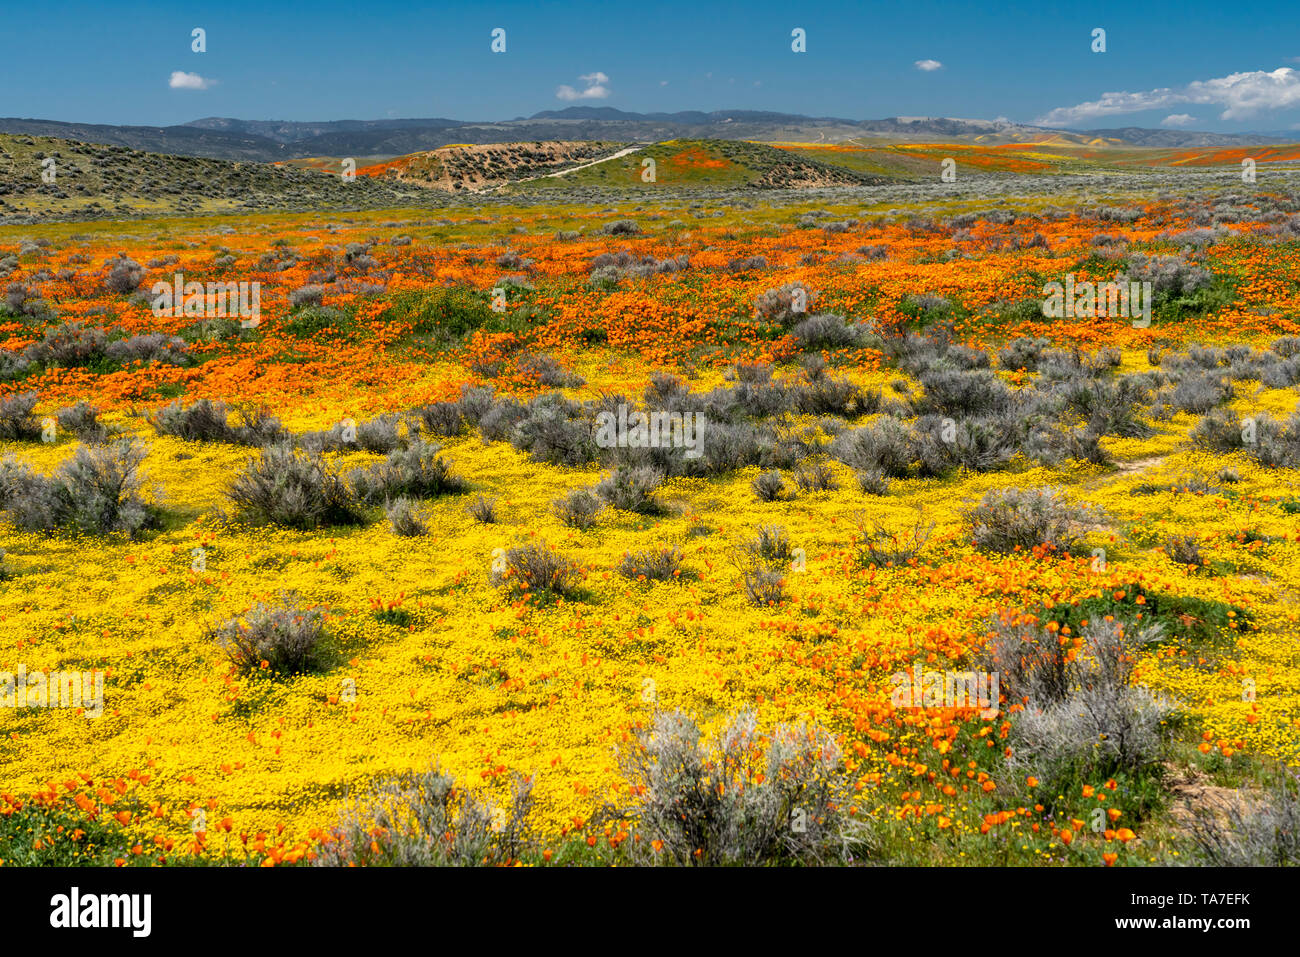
column 1191, row 792
column 1139, row 466
column 563, row 172
column 574, row 169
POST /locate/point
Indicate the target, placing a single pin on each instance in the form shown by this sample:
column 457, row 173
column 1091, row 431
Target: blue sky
column 1189, row 65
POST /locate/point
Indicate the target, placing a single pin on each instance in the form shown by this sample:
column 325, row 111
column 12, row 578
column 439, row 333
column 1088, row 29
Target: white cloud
column 181, row 80
column 1240, row 95
column 595, row 88
column 663, row 82
column 1178, row 119
column 928, row 66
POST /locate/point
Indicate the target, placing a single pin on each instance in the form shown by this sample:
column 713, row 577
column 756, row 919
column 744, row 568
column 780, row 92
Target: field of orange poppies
column 668, row 534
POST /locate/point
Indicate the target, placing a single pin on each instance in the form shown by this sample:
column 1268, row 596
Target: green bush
column 449, row 312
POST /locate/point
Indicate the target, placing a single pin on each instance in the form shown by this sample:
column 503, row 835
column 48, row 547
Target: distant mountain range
column 273, row 140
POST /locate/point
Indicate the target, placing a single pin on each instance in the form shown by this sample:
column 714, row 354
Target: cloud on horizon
column 928, row 66
column 595, row 88
column 1239, row 94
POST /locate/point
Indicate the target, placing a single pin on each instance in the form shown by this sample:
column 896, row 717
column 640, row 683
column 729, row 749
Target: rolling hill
column 275, row 140
column 92, row 181
column 713, row 163
column 456, row 168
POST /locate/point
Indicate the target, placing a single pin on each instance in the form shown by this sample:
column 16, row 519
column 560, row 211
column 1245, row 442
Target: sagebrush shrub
column 1052, row 445
column 1169, row 275
column 483, row 510
column 16, row 420
column 1199, row 393
column 1277, row 444
column 578, row 509
column 741, row 799
column 418, row 471
column 536, row 568
column 786, row 303
column 1111, row 408
column 1184, row 550
column 82, row 420
column 203, row 421
column 1287, row 347
column 545, row 370
column 441, row 418
column 1010, row 519
column 124, row 275
column 209, row 421
column 1268, row 441
column 764, row 586
column 450, row 418
column 379, row 434
column 880, row 547
column 1094, row 733
column 763, row 563
column 150, row 347
column 632, row 489
column 770, row 544
column 1083, row 718
column 769, row 486
column 958, row 392
column 26, row 301
column 884, row 446
column 309, row 295
column 652, row 564
column 96, row 492
column 825, row 330
column 613, row 267
column 424, row 820
column 873, row 482
column 914, row 353
column 405, row 521
column 552, row 429
column 281, row 639
column 296, row 490
column 69, row 344
column 13, row 366
column 1031, row 662
column 728, row 447
column 620, row 227
column 1281, row 375
column 815, row 476
column 984, row 444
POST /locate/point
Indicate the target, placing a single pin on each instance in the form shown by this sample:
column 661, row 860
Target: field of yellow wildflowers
column 888, row 462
